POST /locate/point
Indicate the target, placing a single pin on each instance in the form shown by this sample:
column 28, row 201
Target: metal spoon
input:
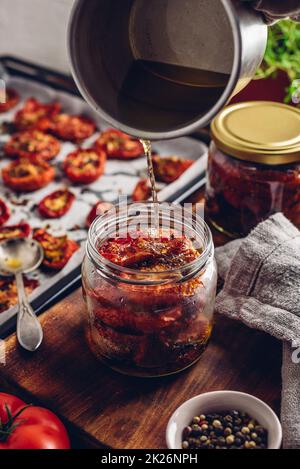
column 18, row 257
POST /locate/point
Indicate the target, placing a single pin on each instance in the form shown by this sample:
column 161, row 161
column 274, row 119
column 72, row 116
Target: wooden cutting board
column 107, row 409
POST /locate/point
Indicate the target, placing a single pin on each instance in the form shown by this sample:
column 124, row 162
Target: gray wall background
column 35, row 30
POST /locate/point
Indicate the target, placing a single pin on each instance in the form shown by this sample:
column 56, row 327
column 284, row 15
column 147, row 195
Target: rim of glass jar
column 134, row 276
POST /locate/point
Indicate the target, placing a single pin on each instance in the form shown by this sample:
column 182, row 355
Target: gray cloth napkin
column 262, row 289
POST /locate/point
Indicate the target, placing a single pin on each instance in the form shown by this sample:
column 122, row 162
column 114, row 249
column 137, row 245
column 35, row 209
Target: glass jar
column 150, row 323
column 254, row 166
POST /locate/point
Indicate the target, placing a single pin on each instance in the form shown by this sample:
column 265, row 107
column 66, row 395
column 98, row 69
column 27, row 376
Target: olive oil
column 155, row 95
column 148, row 153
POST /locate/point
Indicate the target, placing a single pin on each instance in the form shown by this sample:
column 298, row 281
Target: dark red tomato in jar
column 68, row 127
column 22, row 230
column 4, row 212
column 57, row 250
column 9, row 99
column 142, row 191
column 57, row 204
column 84, row 166
column 97, row 211
column 27, row 175
column 119, row 145
column 29, row 427
column 32, row 113
column 169, row 169
column 146, row 253
column 9, row 291
column 32, row 143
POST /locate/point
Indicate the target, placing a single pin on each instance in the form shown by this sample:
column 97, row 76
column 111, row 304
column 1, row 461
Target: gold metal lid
column 259, row 131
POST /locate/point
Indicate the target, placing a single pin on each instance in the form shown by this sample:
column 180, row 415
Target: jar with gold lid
column 254, row 166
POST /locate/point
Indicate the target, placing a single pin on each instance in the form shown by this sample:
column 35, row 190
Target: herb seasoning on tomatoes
column 9, row 292
column 32, row 143
column 118, row 145
column 146, row 253
column 11, row 99
column 84, row 166
column 57, row 250
column 22, row 230
column 142, row 191
column 169, row 169
column 25, row 426
column 32, row 113
column 70, row 128
column 28, row 175
column 57, row 204
column 4, row 212
column 98, row 210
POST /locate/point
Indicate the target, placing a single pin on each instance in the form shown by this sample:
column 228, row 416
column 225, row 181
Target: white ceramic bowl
column 223, row 401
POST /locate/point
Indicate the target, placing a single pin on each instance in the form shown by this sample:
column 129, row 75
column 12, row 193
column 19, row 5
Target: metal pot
column 108, row 38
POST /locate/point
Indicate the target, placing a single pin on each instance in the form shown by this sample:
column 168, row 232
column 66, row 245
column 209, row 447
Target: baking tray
column 119, row 178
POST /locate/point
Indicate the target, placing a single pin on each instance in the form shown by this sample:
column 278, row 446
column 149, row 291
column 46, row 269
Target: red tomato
column 29, row 427
column 22, row 230
column 32, row 113
column 28, row 175
column 57, row 250
column 118, row 145
column 57, row 204
column 142, row 191
column 145, row 253
column 66, row 127
column 169, row 169
column 11, row 98
column 4, row 212
column 97, row 211
column 84, row 166
column 32, row 143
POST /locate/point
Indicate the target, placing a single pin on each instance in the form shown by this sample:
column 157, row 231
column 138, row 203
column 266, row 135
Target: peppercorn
column 196, row 428
column 225, row 430
column 245, row 430
column 217, row 424
column 230, row 440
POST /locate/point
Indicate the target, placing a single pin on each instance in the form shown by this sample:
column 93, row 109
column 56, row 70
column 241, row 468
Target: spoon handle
column 29, row 329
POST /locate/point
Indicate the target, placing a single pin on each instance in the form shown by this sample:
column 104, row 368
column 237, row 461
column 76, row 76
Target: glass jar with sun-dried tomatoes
column 149, row 290
column 254, row 166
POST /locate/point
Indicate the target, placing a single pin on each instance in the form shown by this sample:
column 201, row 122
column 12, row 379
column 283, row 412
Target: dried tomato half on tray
column 33, row 111
column 9, row 292
column 4, row 212
column 57, row 250
column 57, row 204
column 142, row 191
column 70, row 128
column 11, row 98
column 32, row 143
column 84, row 166
column 22, row 230
column 27, row 175
column 119, row 145
column 169, row 169
column 97, row 211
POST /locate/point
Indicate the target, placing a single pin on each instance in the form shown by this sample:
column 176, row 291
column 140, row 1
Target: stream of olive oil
column 148, row 153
